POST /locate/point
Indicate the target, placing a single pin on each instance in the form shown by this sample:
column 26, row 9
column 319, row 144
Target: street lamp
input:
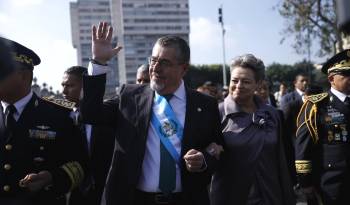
column 221, row 21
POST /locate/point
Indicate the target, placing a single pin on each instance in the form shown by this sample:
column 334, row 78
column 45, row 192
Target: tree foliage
column 311, row 21
column 199, row 74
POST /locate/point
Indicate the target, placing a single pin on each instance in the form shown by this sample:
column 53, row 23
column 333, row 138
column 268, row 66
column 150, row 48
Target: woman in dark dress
column 253, row 168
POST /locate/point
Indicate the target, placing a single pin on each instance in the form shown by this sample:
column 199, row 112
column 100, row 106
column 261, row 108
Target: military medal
column 330, row 136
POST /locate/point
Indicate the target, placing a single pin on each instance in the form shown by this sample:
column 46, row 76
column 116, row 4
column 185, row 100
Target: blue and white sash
column 167, row 126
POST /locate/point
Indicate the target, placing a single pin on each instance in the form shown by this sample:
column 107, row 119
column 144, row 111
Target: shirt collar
column 301, row 93
column 339, row 94
column 181, row 91
column 20, row 104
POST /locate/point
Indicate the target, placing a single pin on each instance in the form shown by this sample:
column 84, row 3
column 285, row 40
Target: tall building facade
column 138, row 24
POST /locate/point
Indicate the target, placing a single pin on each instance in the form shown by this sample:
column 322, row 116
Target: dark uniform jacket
column 130, row 114
column 322, row 148
column 42, row 140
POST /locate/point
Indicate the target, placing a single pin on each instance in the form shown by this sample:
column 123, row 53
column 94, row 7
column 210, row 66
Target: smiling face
column 165, row 71
column 243, row 84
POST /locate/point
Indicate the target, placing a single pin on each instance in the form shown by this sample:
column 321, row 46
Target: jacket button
column 329, row 165
column 7, row 166
column 41, row 148
column 8, row 147
column 6, row 188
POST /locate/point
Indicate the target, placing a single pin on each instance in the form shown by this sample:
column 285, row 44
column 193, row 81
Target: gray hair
column 249, row 61
column 179, row 43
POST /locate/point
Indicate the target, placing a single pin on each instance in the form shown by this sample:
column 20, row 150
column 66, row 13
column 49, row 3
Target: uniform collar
column 20, row 104
column 341, row 96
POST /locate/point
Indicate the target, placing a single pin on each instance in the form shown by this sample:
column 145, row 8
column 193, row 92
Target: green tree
column 277, row 73
column 199, row 74
column 311, row 21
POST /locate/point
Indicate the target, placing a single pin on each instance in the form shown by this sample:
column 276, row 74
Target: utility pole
column 221, row 21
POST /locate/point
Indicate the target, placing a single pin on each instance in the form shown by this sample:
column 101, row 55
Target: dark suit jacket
column 130, row 114
column 42, row 140
column 290, row 105
column 99, row 160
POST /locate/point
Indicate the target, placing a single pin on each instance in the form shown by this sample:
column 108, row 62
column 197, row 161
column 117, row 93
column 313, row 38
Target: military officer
column 322, row 139
column 38, row 158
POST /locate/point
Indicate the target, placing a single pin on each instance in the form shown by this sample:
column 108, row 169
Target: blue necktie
column 167, row 172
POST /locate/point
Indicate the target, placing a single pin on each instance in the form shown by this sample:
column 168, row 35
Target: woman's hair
column 249, row 61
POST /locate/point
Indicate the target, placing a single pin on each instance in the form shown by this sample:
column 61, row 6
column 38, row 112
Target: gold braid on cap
column 342, row 65
column 23, row 59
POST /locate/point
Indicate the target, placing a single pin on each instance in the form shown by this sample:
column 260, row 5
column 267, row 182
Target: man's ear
column 185, row 67
column 330, row 78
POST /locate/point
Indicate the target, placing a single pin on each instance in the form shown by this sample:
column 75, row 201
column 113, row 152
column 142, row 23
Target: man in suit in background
column 142, row 74
column 290, row 105
column 163, row 128
column 98, row 141
column 38, row 155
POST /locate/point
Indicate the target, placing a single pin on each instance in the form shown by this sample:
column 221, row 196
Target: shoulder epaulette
column 60, row 102
column 308, row 115
column 316, row 98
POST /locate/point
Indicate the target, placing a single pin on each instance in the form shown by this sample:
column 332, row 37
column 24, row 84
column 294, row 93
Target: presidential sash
column 167, row 126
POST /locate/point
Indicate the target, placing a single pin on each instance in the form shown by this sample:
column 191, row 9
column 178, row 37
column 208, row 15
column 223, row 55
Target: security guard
column 323, row 140
column 39, row 161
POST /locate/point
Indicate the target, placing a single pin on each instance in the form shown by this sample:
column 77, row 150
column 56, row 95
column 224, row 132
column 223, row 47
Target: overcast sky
column 252, row 26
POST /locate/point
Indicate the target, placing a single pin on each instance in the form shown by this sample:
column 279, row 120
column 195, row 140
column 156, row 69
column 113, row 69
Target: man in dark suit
column 98, row 141
column 290, row 105
column 163, row 128
column 322, row 139
column 39, row 155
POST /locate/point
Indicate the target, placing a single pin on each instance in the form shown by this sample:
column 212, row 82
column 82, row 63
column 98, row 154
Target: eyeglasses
column 164, row 63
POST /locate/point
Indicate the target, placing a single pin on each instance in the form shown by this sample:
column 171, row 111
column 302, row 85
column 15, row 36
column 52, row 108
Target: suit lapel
column 144, row 101
column 2, row 123
column 190, row 119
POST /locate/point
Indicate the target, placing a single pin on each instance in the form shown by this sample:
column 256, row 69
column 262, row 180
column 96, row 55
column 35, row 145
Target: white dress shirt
column 20, row 105
column 149, row 179
column 88, row 127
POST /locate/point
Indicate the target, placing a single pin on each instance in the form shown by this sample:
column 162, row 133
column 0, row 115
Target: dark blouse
column 253, row 169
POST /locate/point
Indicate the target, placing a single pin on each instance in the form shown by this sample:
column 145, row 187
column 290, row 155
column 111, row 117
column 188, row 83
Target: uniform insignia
column 42, row 134
column 303, row 166
column 43, row 127
column 316, row 98
column 60, row 102
column 330, row 136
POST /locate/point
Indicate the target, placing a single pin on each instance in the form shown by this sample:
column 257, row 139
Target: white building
column 137, row 23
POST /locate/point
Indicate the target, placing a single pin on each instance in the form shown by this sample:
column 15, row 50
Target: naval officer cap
column 22, row 57
column 6, row 62
column 338, row 64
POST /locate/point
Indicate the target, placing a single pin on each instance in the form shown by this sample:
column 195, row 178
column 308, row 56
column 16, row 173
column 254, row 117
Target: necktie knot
column 168, row 96
column 10, row 110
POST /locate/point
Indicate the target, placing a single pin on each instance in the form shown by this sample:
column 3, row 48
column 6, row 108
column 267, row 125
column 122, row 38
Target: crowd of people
column 160, row 142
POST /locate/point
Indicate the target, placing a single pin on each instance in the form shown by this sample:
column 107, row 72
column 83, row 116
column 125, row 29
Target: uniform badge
column 330, row 136
column 344, row 132
column 328, row 119
column 42, row 134
column 168, row 128
column 43, row 127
